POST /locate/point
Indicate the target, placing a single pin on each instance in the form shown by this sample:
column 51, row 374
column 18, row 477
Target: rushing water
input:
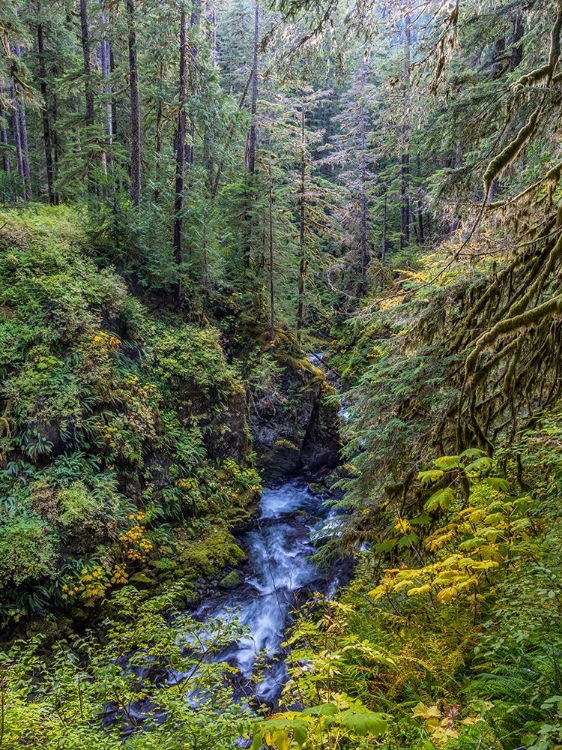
column 279, row 574
column 277, row 578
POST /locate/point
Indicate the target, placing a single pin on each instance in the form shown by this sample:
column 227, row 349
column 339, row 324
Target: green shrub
column 27, row 548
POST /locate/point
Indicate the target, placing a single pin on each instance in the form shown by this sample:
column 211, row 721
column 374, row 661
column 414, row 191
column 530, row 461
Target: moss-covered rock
column 295, row 427
column 232, row 580
column 207, row 555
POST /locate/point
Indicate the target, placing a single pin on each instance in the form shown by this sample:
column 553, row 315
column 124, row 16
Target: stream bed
column 278, row 576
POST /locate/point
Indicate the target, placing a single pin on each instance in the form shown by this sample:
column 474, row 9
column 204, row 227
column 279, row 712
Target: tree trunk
column 16, row 124
column 4, row 139
column 114, row 129
column 271, row 268
column 363, row 175
column 251, row 143
column 421, row 234
column 252, row 136
column 302, row 228
column 57, row 146
column 105, row 59
column 180, row 157
column 47, row 136
column 5, row 143
column 384, row 228
column 135, row 106
column 405, row 160
column 194, row 24
column 158, row 134
column 86, row 53
column 24, row 146
column 17, row 131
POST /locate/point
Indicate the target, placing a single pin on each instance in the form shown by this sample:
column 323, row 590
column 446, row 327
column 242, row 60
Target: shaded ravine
column 278, row 577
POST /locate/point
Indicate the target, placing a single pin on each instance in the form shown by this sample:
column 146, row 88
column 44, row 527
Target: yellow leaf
column 446, row 596
column 419, row 590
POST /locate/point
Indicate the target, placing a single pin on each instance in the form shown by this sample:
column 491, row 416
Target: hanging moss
column 511, row 151
column 509, row 325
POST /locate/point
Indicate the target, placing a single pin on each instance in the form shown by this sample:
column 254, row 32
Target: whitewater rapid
column 279, row 574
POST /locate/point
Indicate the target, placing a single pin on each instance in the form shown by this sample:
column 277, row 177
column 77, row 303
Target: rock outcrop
column 297, row 429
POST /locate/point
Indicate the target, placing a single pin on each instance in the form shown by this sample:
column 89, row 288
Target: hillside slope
column 115, row 424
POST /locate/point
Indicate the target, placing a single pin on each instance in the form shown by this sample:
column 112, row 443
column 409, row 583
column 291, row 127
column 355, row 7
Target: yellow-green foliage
column 106, row 412
column 458, row 639
column 56, row 697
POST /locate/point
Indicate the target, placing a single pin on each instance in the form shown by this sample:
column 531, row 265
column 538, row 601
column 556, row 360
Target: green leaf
column 258, row 733
column 472, row 453
column 471, row 544
column 481, row 464
column 364, row 722
column 300, row 733
column 386, row 546
column 447, row 462
column 441, row 499
column 281, row 739
column 428, row 477
column 497, row 483
column 325, row 709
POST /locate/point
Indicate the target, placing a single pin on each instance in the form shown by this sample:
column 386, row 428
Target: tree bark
column 271, row 266
column 363, row 175
column 135, row 107
column 47, row 136
column 114, row 129
column 252, row 136
column 158, row 133
column 20, row 130
column 251, row 143
column 86, row 53
column 194, row 52
column 180, row 157
column 4, row 139
column 5, row 143
column 20, row 104
column 302, row 228
column 405, row 159
column 421, row 234
column 17, row 131
column 105, row 59
column 384, row 227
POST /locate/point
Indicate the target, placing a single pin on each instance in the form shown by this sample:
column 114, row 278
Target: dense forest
column 281, row 376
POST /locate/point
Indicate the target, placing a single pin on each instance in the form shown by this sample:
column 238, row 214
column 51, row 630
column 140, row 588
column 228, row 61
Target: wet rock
column 296, row 429
column 317, row 488
column 232, row 580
